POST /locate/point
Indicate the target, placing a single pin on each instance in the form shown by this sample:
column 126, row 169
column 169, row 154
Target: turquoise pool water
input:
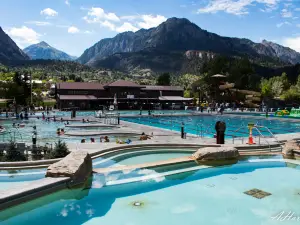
column 151, row 158
column 13, row 178
column 46, row 132
column 211, row 196
column 142, row 155
column 194, row 124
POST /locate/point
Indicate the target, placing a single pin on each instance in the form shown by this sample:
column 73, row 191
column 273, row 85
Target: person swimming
column 92, row 140
column 58, row 131
column 106, row 139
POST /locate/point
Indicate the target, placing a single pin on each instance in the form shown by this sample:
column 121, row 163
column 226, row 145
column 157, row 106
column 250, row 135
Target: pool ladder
column 258, row 128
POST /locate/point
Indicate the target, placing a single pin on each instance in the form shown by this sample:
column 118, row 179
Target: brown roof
column 123, row 83
column 77, row 97
column 80, row 86
column 163, row 88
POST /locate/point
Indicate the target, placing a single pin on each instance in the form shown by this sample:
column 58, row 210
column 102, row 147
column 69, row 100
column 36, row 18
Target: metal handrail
column 272, row 135
column 263, row 137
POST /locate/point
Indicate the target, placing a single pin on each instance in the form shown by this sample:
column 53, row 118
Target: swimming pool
column 130, row 156
column 206, row 124
column 141, row 155
column 12, row 178
column 207, row 196
column 46, row 131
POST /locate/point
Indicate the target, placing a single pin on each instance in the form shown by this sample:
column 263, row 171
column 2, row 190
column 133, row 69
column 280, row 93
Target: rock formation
column 289, row 147
column 216, row 153
column 77, row 165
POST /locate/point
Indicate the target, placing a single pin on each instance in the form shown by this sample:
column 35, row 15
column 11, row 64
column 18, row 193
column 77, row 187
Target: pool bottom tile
column 256, row 193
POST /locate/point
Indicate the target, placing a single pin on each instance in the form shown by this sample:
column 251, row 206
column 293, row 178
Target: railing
column 10, row 135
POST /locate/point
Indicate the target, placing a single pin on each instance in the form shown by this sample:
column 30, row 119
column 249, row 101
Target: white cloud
column 49, row 12
column 122, row 23
column 286, row 13
column 97, row 15
column 130, row 18
column 39, row 23
column 236, row 7
column 151, row 21
column 126, row 27
column 67, row 2
column 73, row 30
column 293, row 43
column 23, row 36
column 297, row 9
column 283, row 23
column 108, row 24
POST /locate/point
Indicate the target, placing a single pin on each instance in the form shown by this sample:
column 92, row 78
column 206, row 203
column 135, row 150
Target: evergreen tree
column 164, row 79
column 13, row 154
column 60, row 150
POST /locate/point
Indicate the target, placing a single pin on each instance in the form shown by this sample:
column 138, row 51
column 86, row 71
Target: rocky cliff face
column 181, row 35
column 284, row 53
column 9, row 51
column 43, row 50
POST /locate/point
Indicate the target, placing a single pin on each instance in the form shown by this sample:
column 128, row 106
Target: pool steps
column 155, row 175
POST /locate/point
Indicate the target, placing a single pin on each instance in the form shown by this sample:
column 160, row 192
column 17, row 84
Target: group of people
column 14, row 125
column 102, row 139
column 60, row 131
column 85, row 120
column 143, row 137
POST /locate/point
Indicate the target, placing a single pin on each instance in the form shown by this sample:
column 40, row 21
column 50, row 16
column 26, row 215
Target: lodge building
column 127, row 94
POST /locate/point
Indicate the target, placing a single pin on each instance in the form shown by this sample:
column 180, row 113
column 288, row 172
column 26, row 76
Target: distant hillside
column 178, row 35
column 9, row 50
column 43, row 50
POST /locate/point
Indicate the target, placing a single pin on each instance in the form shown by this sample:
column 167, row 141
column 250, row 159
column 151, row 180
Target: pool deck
column 87, row 125
column 31, row 190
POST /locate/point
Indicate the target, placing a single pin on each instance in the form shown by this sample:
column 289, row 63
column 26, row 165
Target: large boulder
column 216, row 153
column 289, row 148
column 77, row 165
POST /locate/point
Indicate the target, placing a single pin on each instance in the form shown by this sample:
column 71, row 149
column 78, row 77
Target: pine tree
column 60, row 150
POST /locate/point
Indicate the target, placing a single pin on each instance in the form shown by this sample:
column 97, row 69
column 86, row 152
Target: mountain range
column 165, row 48
column 9, row 50
column 43, row 50
column 153, row 48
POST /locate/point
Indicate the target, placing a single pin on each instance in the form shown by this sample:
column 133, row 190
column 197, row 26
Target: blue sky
column 74, row 25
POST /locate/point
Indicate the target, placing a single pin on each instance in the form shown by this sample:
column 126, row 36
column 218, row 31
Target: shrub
column 13, row 154
column 60, row 150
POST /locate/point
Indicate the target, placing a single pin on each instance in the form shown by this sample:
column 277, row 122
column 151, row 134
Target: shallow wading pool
column 207, row 196
column 12, row 178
